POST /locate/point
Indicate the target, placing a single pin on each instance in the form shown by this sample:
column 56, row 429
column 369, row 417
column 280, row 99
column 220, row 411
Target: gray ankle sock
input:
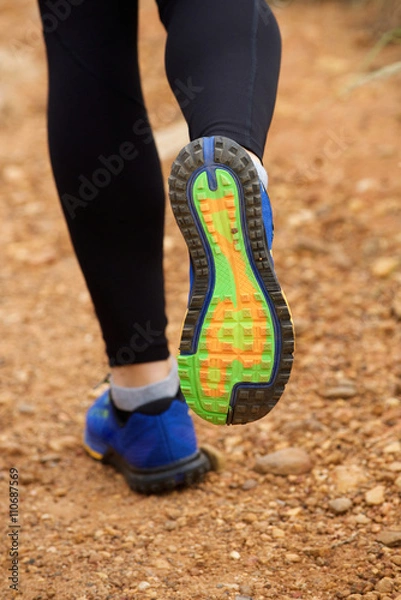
column 130, row 399
column 262, row 173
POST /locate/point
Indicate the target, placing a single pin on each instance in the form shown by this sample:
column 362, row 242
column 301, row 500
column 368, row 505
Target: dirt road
column 335, row 178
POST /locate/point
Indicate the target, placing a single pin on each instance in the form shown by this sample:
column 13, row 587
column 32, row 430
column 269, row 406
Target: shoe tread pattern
column 247, row 402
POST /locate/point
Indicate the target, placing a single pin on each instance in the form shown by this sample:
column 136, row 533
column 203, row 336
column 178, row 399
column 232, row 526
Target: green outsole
column 237, row 341
column 226, row 351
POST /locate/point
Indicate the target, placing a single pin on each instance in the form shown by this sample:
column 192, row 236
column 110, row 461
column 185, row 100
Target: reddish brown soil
column 335, row 179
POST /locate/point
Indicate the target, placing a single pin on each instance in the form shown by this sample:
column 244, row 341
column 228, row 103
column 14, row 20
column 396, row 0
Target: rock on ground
column 288, row 461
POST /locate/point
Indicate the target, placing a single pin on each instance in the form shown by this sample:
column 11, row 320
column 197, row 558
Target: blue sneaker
column 155, row 452
column 237, row 340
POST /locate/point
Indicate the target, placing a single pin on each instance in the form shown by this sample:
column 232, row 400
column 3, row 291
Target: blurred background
column 334, row 162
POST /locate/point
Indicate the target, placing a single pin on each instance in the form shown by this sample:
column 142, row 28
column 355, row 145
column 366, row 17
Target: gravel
column 335, row 434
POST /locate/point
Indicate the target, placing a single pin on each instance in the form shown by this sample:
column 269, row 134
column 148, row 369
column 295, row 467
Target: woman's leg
column 109, row 180
column 223, row 61
column 108, row 176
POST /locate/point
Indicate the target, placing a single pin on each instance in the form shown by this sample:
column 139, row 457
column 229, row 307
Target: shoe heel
column 96, row 451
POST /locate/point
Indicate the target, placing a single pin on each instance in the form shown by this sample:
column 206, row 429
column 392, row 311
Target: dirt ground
column 335, row 178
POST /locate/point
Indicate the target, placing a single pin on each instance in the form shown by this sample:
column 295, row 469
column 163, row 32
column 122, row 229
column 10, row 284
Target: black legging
column 222, row 62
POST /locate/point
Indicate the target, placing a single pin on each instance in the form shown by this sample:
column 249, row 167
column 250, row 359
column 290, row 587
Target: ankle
column 259, row 168
column 131, row 376
column 254, row 157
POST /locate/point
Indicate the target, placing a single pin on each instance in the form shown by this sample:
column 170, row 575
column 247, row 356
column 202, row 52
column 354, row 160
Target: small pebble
column 25, row 408
column 362, row 519
column 245, row 590
column 249, row 518
column 366, row 184
column 46, row 517
column 249, row 484
column 375, row 496
column 393, row 448
column 170, row 525
column 173, row 513
column 278, row 533
column 340, row 505
column 292, row 557
column 288, row 461
column 235, row 555
column 242, row 597
column 385, row 585
column 161, row 563
column 50, row 458
column 393, row 402
column 143, row 585
column 317, row 551
column 66, row 442
column 216, row 458
column 348, row 478
column 385, row 266
column 340, row 391
column 390, row 537
column 229, row 586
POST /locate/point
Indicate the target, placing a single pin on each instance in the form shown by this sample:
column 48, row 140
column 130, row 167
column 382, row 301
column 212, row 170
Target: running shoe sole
column 237, row 342
column 183, row 473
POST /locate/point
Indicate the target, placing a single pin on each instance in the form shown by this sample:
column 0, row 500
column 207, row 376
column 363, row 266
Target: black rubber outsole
column 248, row 402
column 181, row 474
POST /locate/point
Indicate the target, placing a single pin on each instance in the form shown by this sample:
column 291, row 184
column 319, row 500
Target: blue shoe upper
column 144, row 441
column 267, row 216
